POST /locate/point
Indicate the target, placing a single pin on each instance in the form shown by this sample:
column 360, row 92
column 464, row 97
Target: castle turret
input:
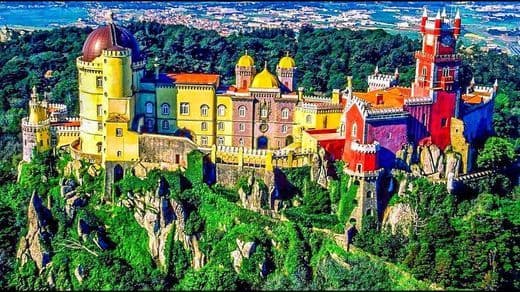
column 35, row 128
column 245, row 71
column 456, row 24
column 437, row 24
column 424, row 19
column 286, row 71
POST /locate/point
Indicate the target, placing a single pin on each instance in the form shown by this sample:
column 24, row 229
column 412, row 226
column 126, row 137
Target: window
column 220, row 141
column 165, row 109
column 203, row 126
column 308, row 119
column 204, row 140
column 369, row 212
column 369, row 195
column 100, row 126
column 424, row 71
column 389, row 135
column 98, row 147
column 263, row 112
column 358, row 167
column 284, row 128
column 285, row 113
column 185, row 108
column 119, row 153
column 149, row 108
column 242, row 111
column 241, row 142
column 119, row 132
column 221, row 110
column 445, row 71
column 354, row 130
column 241, row 127
column 165, row 125
column 99, row 82
column 99, row 110
column 41, row 143
column 444, row 122
column 177, row 158
column 204, row 110
column 220, row 126
column 342, row 129
column 423, row 119
column 149, row 124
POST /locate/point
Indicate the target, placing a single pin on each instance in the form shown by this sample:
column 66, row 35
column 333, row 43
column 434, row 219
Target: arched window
column 285, row 113
column 165, row 124
column 203, row 126
column 241, row 142
column 149, row 108
column 220, row 126
column 165, row 109
column 354, row 130
column 98, row 146
column 204, row 140
column 220, row 141
column 369, row 195
column 221, row 110
column 342, row 129
column 445, row 71
column 204, row 110
column 149, row 124
column 242, row 111
column 424, row 71
column 263, row 112
column 185, row 108
column 308, row 119
column 284, row 128
column 241, row 127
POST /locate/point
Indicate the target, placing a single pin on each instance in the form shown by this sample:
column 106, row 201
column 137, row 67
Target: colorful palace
column 130, row 116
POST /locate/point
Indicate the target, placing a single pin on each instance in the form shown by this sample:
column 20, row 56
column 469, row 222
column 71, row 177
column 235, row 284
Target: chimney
column 335, row 96
column 379, row 98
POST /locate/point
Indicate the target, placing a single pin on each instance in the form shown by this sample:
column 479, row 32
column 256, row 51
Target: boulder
column 256, row 197
column 399, row 216
column 79, row 272
column 244, row 250
column 41, row 228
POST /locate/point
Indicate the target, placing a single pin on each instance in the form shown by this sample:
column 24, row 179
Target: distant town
column 486, row 28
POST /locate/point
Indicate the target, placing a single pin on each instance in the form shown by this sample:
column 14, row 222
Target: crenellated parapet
column 418, row 101
column 365, row 148
column 309, row 107
column 380, row 81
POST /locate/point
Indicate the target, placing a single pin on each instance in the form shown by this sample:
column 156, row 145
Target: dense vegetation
column 464, row 241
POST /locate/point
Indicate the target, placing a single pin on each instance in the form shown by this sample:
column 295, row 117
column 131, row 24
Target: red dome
column 108, row 37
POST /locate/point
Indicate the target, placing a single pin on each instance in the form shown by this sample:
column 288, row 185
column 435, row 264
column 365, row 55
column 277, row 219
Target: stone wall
column 228, row 175
column 165, row 149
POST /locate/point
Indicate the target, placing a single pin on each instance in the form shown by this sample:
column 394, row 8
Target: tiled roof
column 475, row 97
column 392, row 97
column 194, row 78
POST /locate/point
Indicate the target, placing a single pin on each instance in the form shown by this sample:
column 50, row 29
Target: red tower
column 436, row 73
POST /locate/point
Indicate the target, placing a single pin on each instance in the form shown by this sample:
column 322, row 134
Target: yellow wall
column 227, row 120
column 127, row 143
column 309, row 143
column 196, row 96
column 458, row 142
column 317, row 121
column 90, row 96
column 65, row 140
column 43, row 136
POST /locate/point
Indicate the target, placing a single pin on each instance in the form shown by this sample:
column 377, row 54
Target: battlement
column 118, row 52
column 317, row 98
column 485, row 89
column 418, row 101
column 26, row 123
column 365, row 148
column 367, row 175
column 438, row 58
column 321, row 107
column 88, row 65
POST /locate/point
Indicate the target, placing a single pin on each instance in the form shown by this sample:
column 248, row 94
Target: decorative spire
column 265, row 65
column 425, row 12
column 496, row 83
column 376, row 71
column 246, row 52
column 287, row 53
column 110, row 16
column 438, row 16
column 34, row 94
column 444, row 15
column 472, row 81
column 457, row 15
column 396, row 71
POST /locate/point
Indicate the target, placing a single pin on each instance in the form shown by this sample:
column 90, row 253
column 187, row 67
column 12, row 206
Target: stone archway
column 118, row 173
column 289, row 140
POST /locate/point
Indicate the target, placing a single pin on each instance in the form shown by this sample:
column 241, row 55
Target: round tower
column 35, row 128
column 109, row 72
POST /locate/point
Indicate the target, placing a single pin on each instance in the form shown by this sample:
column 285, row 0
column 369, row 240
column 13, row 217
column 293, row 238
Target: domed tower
column 110, row 69
column 36, row 127
column 286, row 71
column 244, row 71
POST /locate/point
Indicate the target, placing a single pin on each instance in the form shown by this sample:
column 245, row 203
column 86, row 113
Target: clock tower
column 436, row 74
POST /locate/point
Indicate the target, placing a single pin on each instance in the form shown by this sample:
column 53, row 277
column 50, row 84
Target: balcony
column 437, row 58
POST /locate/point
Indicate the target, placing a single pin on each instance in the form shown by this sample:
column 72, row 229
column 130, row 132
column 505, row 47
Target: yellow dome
column 286, row 63
column 246, row 61
column 265, row 79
